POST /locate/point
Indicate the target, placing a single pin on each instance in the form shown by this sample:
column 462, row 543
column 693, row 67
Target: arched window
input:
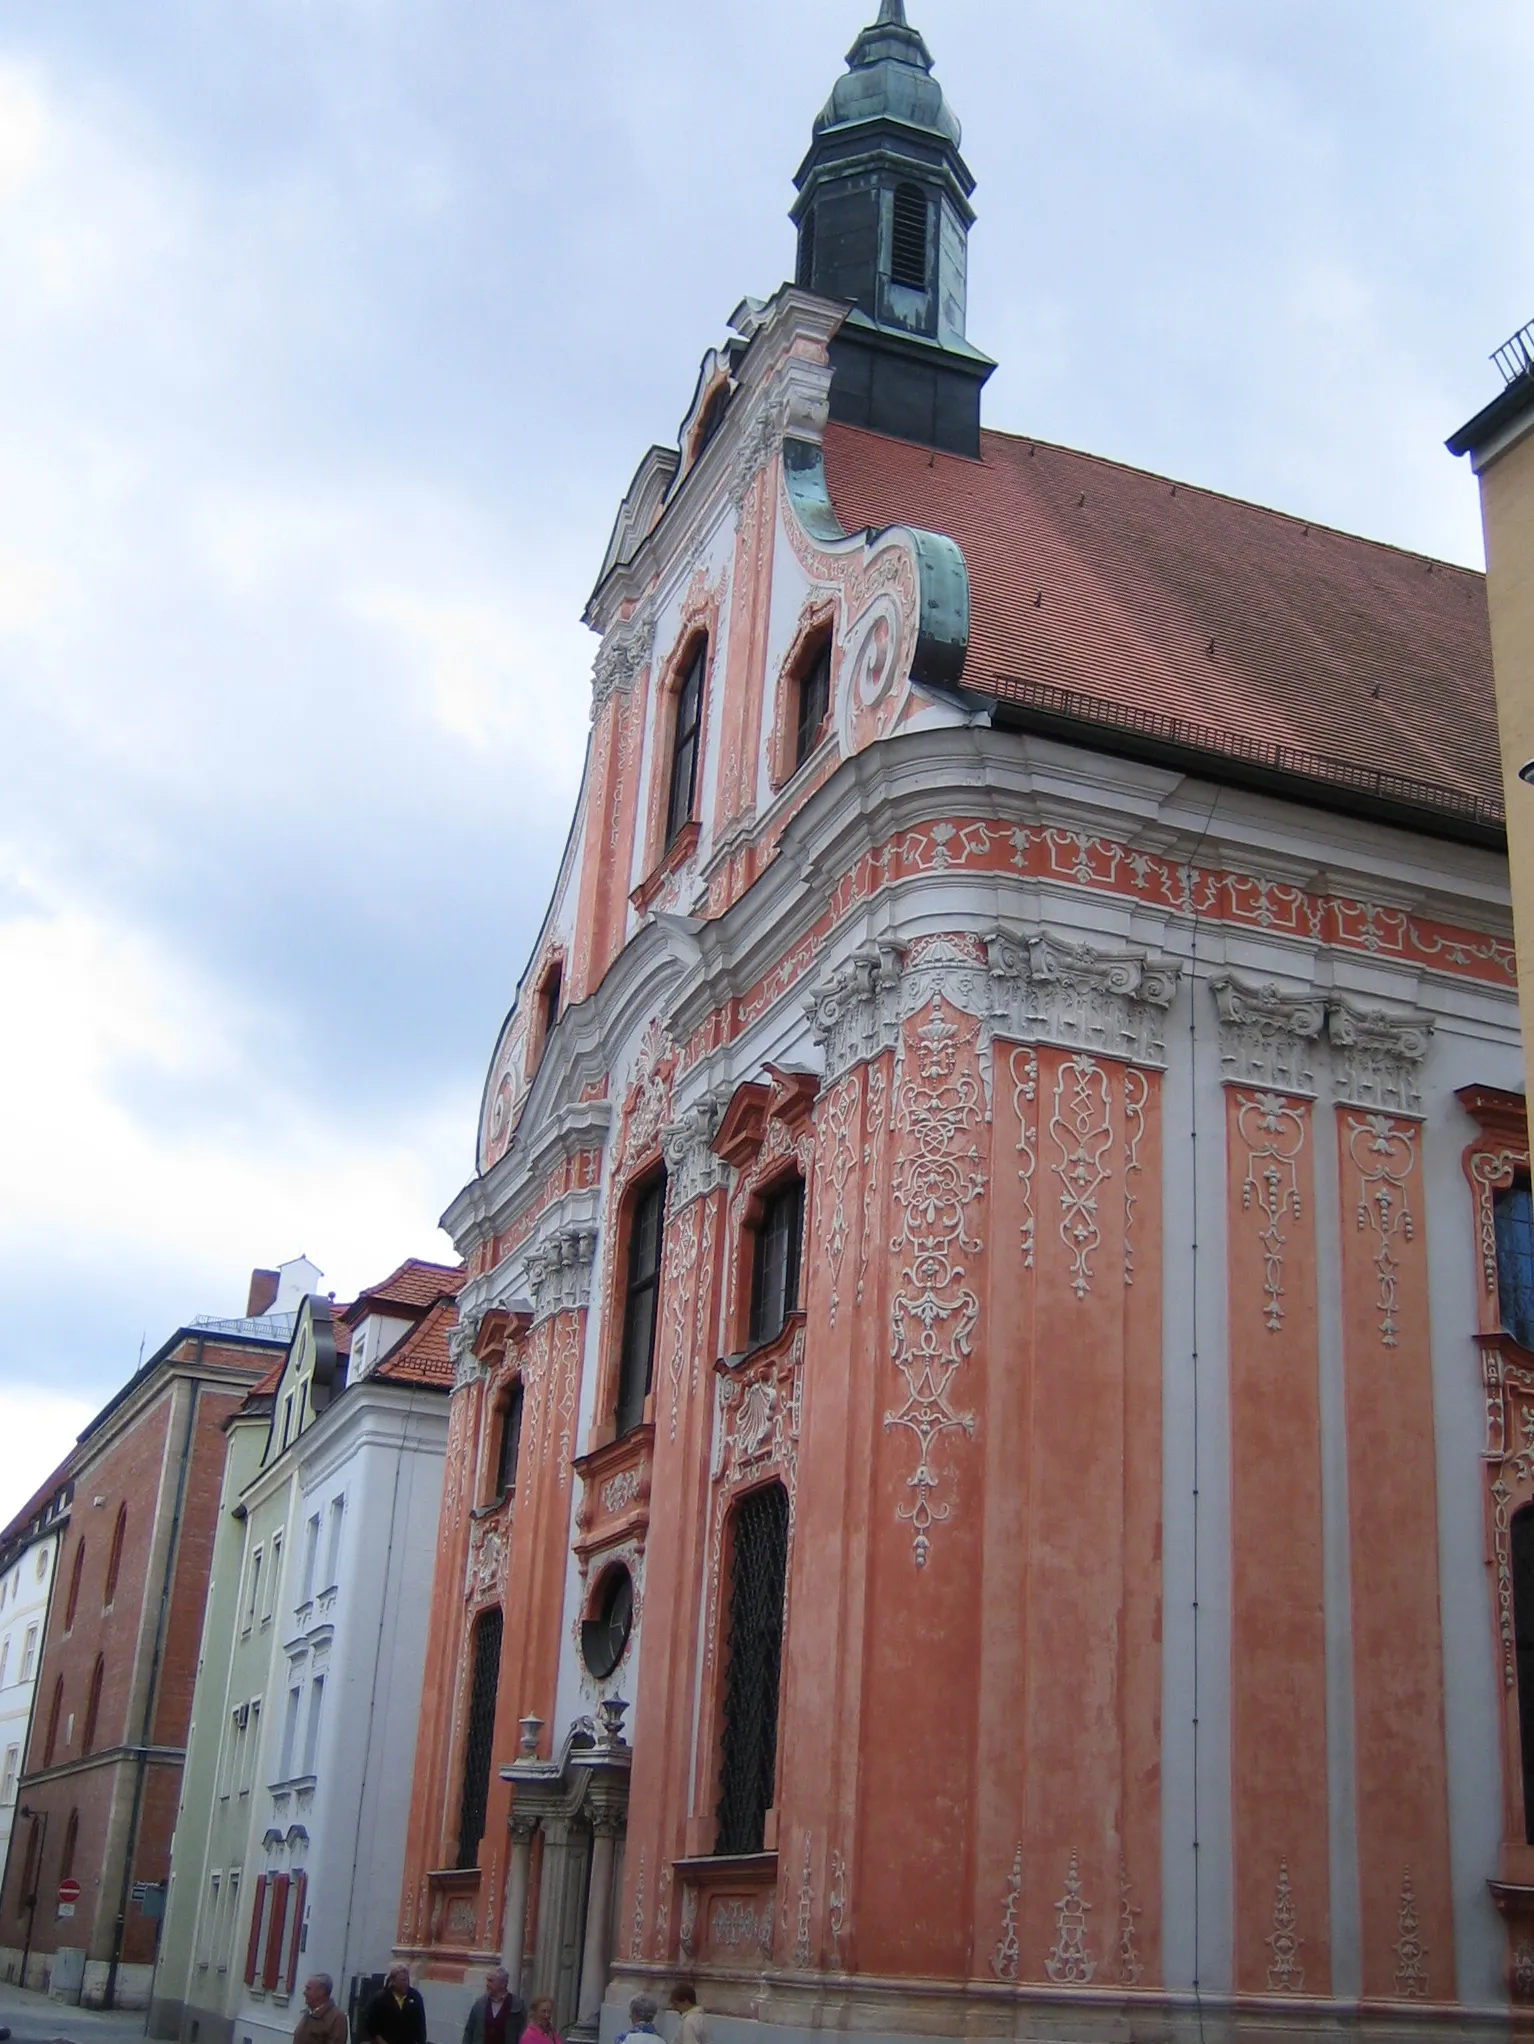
column 509, row 1447
column 74, row 1585
column 55, row 1707
column 1522, row 1532
column 908, row 237
column 71, row 1835
column 93, row 1707
column 479, row 1743
column 749, row 1756
column 115, row 1558
column 713, row 416
column 28, row 1893
column 814, row 699
column 647, row 1214
column 775, row 1252
column 804, row 274
column 684, row 744
column 1513, row 1218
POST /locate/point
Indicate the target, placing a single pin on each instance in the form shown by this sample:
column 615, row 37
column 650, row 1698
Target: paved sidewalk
column 36, row 2019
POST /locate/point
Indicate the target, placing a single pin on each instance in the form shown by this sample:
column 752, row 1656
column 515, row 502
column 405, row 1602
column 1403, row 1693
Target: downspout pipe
column 162, row 1618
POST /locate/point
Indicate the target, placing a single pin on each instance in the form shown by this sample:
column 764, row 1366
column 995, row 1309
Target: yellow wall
column 1507, row 510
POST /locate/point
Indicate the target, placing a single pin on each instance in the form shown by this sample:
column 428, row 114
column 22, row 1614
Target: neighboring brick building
column 102, row 1771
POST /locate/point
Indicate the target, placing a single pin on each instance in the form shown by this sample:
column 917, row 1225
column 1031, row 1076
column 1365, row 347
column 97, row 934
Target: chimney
column 263, row 1290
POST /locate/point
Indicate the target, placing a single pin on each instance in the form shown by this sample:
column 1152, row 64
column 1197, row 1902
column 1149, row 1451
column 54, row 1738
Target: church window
column 72, row 1602
column 908, row 237
column 804, row 276
column 814, row 692
column 684, row 744
column 483, row 1685
column 640, row 1302
column 1522, row 1538
column 549, row 998
column 28, row 1895
column 509, row 1445
column 758, row 1576
column 115, row 1557
column 713, row 416
column 775, row 1261
column 605, row 1634
column 1513, row 1212
column 50, row 1743
column 71, row 1838
column 93, row 1706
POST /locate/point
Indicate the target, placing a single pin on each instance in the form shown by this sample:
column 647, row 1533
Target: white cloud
column 39, row 1429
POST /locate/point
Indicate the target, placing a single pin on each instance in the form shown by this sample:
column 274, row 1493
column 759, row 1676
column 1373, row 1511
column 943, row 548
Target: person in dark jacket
column 396, row 2014
column 498, row 2017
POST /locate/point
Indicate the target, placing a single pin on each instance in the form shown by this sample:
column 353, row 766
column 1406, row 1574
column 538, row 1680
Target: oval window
column 605, row 1634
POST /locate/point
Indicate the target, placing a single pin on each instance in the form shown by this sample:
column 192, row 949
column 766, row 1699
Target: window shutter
column 300, row 1887
column 253, row 1949
column 271, row 1972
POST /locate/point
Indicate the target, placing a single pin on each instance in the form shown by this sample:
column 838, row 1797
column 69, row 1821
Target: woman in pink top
column 540, row 2022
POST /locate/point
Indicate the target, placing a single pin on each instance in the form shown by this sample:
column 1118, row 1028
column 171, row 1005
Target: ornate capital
column 1111, row 1002
column 619, row 659
column 692, row 1168
column 467, row 1368
column 855, row 1014
column 1377, row 1055
column 1266, row 1037
column 559, row 1270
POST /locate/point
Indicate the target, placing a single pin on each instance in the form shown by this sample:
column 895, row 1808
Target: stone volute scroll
column 1268, row 1037
column 1377, row 1056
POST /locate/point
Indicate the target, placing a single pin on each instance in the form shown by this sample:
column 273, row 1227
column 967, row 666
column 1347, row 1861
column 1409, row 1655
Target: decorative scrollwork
column 1081, row 1128
column 1070, row 1961
column 1272, row 1130
column 1384, row 1154
column 1285, row 1975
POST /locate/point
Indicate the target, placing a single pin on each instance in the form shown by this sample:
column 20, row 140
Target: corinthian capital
column 1266, row 1036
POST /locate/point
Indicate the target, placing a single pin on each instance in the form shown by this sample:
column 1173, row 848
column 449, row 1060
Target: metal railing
column 1515, row 357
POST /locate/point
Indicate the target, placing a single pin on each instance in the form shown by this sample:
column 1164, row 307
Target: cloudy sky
column 330, row 333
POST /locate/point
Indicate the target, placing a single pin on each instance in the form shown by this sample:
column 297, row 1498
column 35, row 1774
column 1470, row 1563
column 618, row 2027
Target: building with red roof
column 298, row 1769
column 988, row 1469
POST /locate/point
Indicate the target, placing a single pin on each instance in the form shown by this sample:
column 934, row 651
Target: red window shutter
column 253, row 1949
column 300, row 1886
column 271, row 1972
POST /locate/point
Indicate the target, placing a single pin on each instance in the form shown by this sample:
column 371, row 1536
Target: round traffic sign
column 69, row 1891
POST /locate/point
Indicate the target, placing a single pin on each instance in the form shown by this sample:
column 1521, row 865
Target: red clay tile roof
column 1115, row 598
column 423, row 1357
column 416, row 1284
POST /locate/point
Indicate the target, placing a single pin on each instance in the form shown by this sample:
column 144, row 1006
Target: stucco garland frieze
column 1267, row 1037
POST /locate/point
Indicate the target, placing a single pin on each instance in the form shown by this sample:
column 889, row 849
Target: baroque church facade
column 988, row 1469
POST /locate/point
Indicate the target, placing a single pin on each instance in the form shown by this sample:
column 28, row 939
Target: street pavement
column 35, row 2019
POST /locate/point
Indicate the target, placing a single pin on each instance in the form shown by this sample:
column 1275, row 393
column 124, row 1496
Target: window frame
column 92, row 1725
column 693, row 672
column 813, row 670
column 783, row 1197
column 627, row 1412
column 906, row 196
column 76, row 1575
column 115, row 1557
column 728, row 1841
column 504, row 1479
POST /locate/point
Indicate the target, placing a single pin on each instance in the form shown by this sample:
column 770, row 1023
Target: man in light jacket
column 498, row 2017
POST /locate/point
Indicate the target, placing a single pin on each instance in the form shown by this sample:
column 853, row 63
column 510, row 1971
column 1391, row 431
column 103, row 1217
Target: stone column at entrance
column 514, row 1935
column 597, row 1953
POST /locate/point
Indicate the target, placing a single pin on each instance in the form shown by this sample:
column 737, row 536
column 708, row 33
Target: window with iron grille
column 483, row 1683
column 510, row 1444
column 1522, row 1540
column 748, row 1761
column 804, row 275
column 775, row 1261
column 814, row 700
column 641, row 1299
column 684, row 744
column 1513, row 1212
column 908, row 237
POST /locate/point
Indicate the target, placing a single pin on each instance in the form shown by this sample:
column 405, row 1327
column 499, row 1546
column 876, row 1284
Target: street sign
column 69, row 1894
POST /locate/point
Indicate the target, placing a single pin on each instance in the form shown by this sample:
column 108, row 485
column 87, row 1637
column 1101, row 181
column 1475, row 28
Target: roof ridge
column 1157, row 475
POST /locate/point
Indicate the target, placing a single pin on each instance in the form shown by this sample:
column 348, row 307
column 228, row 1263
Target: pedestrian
column 642, row 2012
column 691, row 2028
column 540, row 2028
column 396, row 2014
column 498, row 2016
column 321, row 2022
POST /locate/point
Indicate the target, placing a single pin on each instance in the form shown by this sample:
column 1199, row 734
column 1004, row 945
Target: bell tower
column 884, row 215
